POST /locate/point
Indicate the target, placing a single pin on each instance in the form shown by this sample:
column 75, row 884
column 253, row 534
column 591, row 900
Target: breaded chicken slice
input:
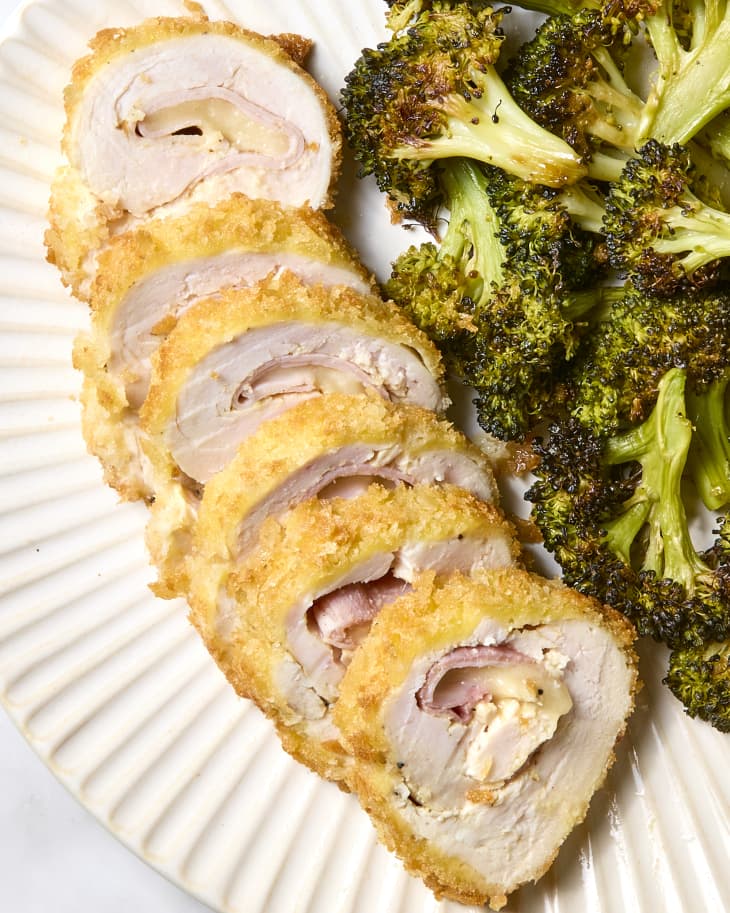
column 483, row 713
column 182, row 110
column 151, row 276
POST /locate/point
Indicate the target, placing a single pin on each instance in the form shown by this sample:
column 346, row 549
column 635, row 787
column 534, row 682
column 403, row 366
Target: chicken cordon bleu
column 179, row 110
column 333, row 445
column 150, row 276
column 283, row 619
column 483, row 713
column 246, row 355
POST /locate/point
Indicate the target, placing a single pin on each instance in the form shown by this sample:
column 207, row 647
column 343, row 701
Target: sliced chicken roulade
column 150, row 276
column 484, row 713
column 328, row 446
column 175, row 111
column 241, row 358
column 283, row 620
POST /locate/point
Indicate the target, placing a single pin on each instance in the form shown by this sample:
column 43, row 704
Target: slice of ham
column 343, row 616
column 452, row 688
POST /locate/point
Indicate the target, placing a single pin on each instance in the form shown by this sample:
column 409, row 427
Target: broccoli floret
column 699, row 676
column 501, row 296
column 635, row 338
column 569, row 79
column 439, row 286
column 432, row 92
column 692, row 83
column 658, row 231
column 612, row 512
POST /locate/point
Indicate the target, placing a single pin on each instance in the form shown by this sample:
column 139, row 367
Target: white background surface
column 54, row 856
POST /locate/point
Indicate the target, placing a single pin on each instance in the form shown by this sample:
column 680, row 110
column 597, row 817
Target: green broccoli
column 569, row 78
column 432, row 92
column 612, row 511
column 503, row 293
column 634, row 339
column 699, row 676
column 439, row 285
column 692, row 82
column 658, row 231
column 709, row 456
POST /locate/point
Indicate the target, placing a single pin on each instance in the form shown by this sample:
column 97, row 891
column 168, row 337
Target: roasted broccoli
column 634, row 339
column 432, row 92
column 440, row 285
column 502, row 294
column 611, row 509
column 569, row 78
column 658, row 231
column 699, row 676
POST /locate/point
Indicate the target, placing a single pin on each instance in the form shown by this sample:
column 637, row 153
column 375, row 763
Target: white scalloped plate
column 111, row 686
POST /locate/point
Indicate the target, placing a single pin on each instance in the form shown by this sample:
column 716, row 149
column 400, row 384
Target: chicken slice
column 179, row 110
column 483, row 713
column 284, row 619
column 332, row 445
column 149, row 277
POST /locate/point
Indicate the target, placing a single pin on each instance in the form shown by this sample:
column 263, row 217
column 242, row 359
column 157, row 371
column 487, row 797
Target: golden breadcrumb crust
column 78, row 226
column 435, row 616
column 279, row 448
column 259, row 226
column 75, row 231
column 236, row 223
column 307, row 551
column 295, row 46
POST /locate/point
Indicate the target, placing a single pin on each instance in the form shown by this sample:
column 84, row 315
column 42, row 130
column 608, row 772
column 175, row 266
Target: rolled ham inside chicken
column 246, row 356
column 267, row 370
column 496, row 703
column 285, row 635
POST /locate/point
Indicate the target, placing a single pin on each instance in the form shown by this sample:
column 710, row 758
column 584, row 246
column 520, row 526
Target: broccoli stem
column 660, row 445
column 701, row 74
column 584, row 208
column 605, row 166
column 470, row 211
column 694, row 225
column 490, row 127
column 709, row 456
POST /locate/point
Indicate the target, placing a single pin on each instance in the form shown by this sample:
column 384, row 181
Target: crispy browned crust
column 109, row 44
column 437, row 614
column 306, row 551
column 296, row 46
column 78, row 225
